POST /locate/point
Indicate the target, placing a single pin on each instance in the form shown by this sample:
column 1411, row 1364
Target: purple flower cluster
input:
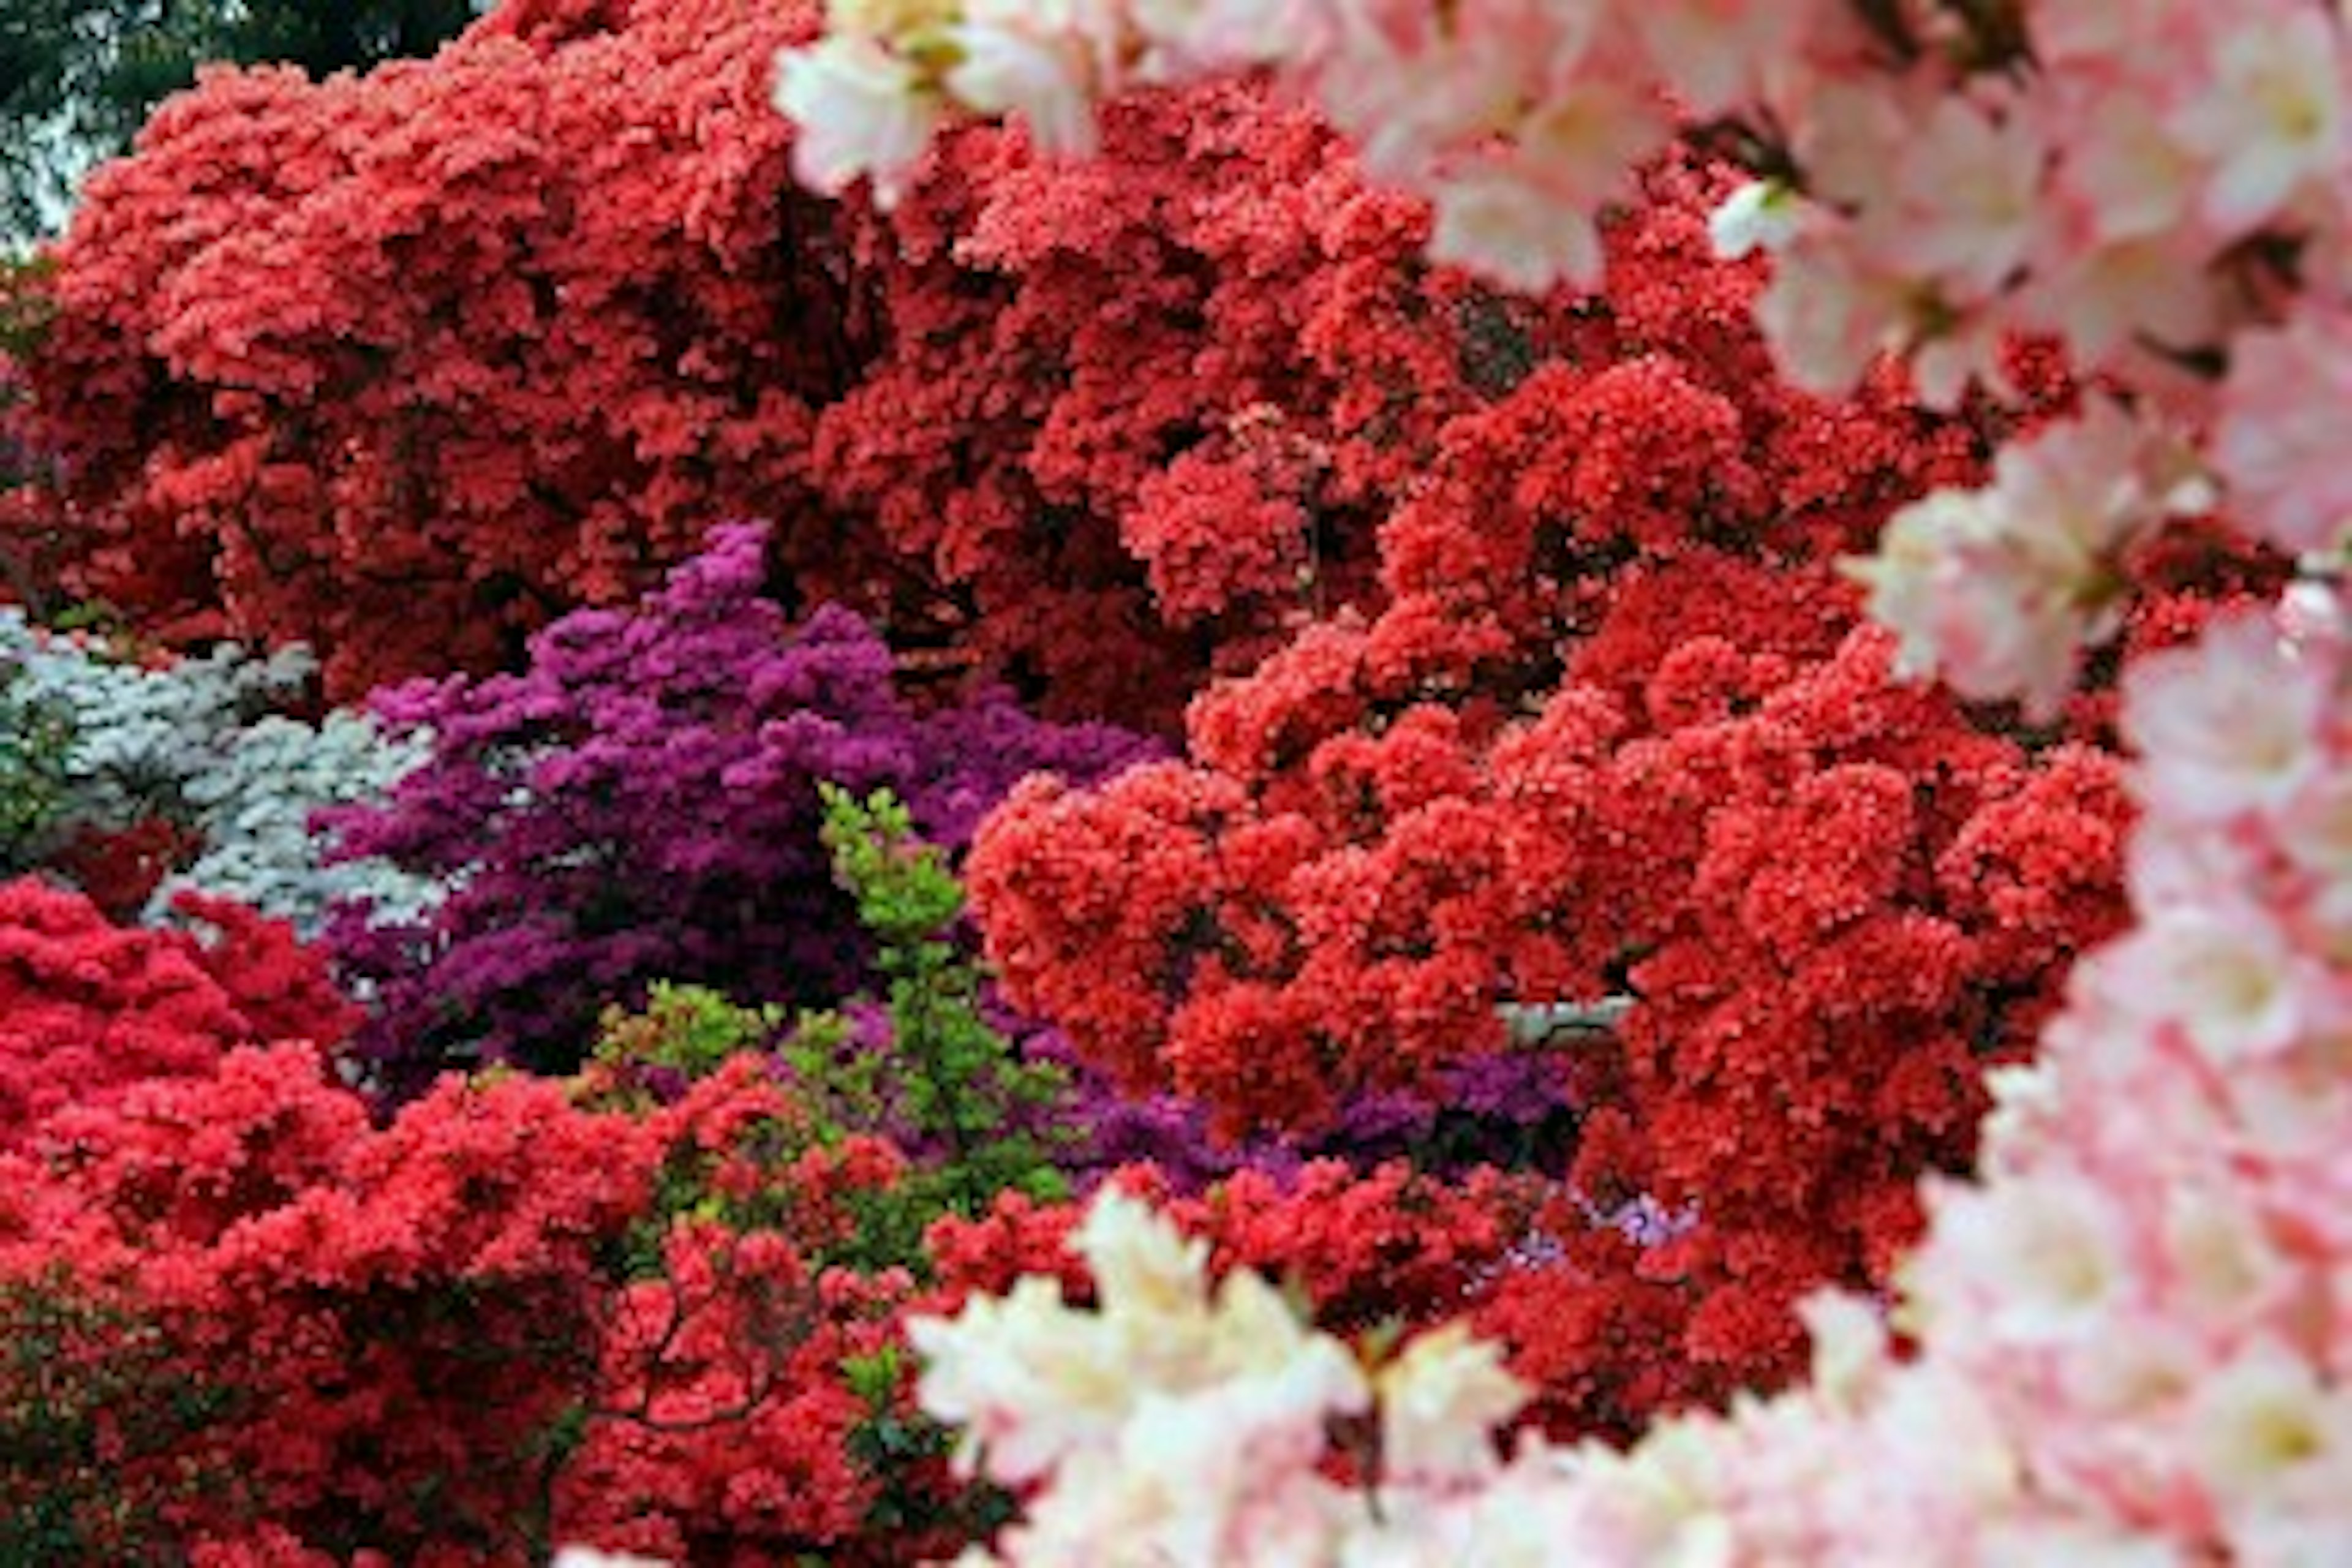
column 1511, row 1110
column 640, row 803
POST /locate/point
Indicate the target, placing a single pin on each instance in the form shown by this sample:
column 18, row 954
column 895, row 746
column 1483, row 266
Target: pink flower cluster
column 2095, row 172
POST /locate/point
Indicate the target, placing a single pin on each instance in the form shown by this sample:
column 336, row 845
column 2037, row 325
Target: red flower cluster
column 242, row 1318
column 397, row 363
column 89, row 1011
column 120, row 869
column 435, row 353
column 1361, row 1247
column 1615, row 731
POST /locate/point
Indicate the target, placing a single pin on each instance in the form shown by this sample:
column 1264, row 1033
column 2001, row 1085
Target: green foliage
column 26, row 308
column 896, row 1441
column 89, row 1396
column 961, row 1087
column 689, row 1030
column 34, row 739
column 949, row 1089
column 78, row 78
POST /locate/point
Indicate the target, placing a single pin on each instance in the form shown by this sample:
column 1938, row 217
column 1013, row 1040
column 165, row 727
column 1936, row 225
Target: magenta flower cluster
column 640, row 803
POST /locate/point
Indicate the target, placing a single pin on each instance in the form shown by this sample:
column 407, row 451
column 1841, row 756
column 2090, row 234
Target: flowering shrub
column 393, row 364
column 240, row 1316
column 641, row 804
column 93, row 1010
column 2113, row 1343
column 752, row 1397
column 139, row 780
column 405, row 366
column 922, row 1067
column 1617, row 730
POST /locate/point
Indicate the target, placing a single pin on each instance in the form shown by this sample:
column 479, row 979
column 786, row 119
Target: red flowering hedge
column 89, row 1011
column 405, row 365
column 393, row 363
column 236, row 1315
column 1617, row 729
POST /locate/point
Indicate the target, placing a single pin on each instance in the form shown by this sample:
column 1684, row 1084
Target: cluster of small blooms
column 423, row 354
column 1178, row 1424
column 1614, row 728
column 2122, row 1340
column 2126, row 1339
column 191, row 743
column 2048, row 169
column 94, row 1009
column 515, row 325
column 140, row 734
column 640, row 803
column 247, row 1323
column 254, row 809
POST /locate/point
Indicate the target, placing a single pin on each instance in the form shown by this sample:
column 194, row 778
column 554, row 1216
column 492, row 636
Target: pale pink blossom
column 1031, row 1382
column 1438, row 1402
column 2227, row 974
column 2227, row 727
column 1998, row 589
column 1142, row 1264
column 1001, row 68
column 2110, row 301
column 2273, row 1437
column 1186, row 39
column 2314, row 832
column 1410, row 90
column 1485, row 221
column 861, row 109
column 2026, row 1262
column 1957, row 201
column 1828, row 310
column 2280, row 443
column 2269, row 119
column 1712, row 52
column 1583, row 135
column 2121, row 173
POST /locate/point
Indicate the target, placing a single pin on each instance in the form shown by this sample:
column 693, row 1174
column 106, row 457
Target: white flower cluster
column 138, row 734
column 194, row 741
column 253, row 807
column 1183, row 1424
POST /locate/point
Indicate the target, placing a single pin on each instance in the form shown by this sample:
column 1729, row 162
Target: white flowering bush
column 254, row 805
column 100, row 742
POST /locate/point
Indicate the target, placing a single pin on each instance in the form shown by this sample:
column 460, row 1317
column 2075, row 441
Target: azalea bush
column 518, row 325
column 138, row 775
column 243, row 1315
column 641, row 802
column 1619, row 731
